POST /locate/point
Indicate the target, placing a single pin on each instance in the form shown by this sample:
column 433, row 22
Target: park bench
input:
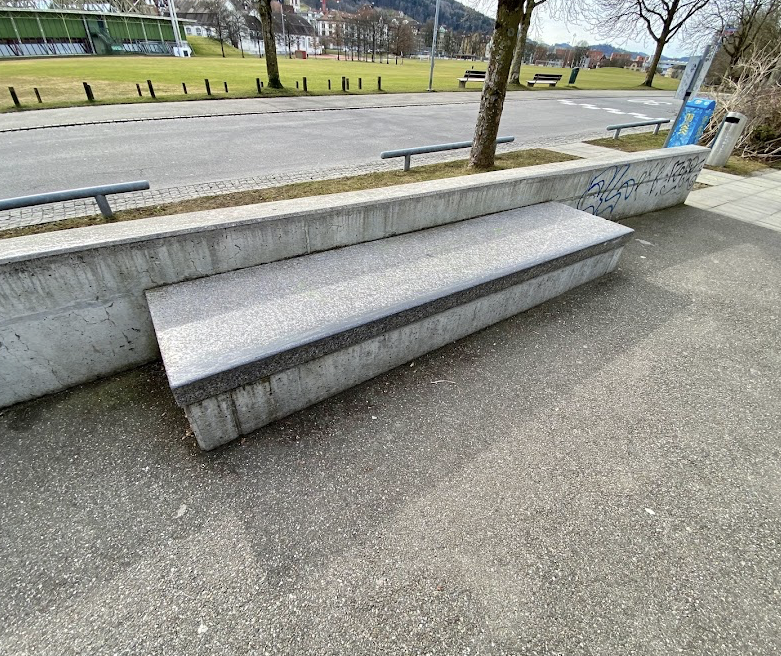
column 247, row 347
column 544, row 78
column 477, row 76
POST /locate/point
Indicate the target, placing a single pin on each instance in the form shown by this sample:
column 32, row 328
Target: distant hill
column 452, row 14
column 609, row 49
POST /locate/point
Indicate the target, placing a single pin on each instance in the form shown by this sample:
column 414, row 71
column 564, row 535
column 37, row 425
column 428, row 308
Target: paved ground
column 88, row 207
column 182, row 152
column 598, row 476
column 12, row 121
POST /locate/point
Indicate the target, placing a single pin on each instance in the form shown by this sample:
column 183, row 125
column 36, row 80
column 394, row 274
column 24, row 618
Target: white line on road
column 651, row 102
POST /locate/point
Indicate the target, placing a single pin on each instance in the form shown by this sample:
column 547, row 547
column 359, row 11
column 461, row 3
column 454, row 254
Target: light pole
column 434, row 47
column 175, row 24
column 284, row 36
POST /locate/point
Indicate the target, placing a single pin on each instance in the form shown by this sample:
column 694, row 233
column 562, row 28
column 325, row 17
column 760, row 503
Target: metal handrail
column 99, row 193
column 658, row 122
column 407, row 153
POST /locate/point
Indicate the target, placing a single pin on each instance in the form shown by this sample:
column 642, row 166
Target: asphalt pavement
column 179, row 144
column 597, row 476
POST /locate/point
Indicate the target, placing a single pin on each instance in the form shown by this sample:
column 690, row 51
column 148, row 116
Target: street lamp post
column 434, row 47
column 284, row 36
column 175, row 24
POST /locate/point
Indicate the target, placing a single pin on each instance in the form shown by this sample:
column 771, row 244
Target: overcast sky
column 553, row 31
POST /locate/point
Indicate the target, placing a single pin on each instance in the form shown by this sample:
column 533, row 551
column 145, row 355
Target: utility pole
column 434, row 47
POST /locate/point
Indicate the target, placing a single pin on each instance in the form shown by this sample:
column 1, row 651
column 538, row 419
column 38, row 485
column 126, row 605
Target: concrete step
column 247, row 347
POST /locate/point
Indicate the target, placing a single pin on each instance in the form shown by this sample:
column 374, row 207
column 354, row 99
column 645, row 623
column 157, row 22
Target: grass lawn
column 114, row 79
column 515, row 159
column 631, row 143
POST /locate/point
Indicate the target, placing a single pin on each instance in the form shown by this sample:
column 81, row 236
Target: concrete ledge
column 241, row 347
column 72, row 305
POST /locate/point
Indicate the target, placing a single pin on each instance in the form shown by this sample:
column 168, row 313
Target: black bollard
column 14, row 97
column 257, row 83
column 151, row 88
column 88, row 91
column 184, row 88
column 37, row 95
column 208, row 88
column 138, row 88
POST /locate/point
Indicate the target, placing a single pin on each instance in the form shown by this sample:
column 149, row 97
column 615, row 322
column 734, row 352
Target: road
column 262, row 137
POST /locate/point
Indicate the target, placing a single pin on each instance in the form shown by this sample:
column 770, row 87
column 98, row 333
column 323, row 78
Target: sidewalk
column 597, row 476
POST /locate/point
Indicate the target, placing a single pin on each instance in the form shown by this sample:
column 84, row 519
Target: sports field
column 114, row 79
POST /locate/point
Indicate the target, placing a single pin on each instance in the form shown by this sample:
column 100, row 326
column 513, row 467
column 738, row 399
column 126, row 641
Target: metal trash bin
column 573, row 75
column 725, row 140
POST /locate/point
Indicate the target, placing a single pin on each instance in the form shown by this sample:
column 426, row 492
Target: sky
column 553, row 31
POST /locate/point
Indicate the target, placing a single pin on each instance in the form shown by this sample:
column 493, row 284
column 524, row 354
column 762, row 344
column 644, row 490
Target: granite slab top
column 219, row 332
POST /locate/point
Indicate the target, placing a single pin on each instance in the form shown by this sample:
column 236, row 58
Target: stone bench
column 244, row 348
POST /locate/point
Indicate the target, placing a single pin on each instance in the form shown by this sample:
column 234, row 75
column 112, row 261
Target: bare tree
column 661, row 19
column 269, row 44
column 215, row 16
column 755, row 24
column 520, row 45
column 508, row 16
column 755, row 92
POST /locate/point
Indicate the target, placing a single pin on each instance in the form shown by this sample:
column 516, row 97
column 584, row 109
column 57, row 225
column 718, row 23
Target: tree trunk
column 270, row 45
column 508, row 17
column 520, row 45
column 660, row 44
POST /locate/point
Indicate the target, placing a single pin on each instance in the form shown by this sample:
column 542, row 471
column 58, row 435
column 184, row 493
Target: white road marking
column 650, row 102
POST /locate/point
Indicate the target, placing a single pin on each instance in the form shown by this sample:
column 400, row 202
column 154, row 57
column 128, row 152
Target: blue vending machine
column 690, row 125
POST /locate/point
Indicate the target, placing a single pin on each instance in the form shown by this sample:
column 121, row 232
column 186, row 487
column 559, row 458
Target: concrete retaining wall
column 72, row 306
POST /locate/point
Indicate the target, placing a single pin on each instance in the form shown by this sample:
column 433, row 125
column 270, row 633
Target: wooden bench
column 247, row 347
column 477, row 76
column 544, row 78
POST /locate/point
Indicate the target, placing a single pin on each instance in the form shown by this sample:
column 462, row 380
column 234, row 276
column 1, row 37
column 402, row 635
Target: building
column 595, row 58
column 295, row 34
column 30, row 32
column 238, row 24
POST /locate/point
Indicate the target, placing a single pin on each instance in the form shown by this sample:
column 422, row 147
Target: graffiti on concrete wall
column 615, row 185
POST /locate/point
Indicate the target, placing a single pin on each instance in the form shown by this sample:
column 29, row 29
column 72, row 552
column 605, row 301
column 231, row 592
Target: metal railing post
column 657, row 123
column 99, row 193
column 105, row 208
column 407, row 153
